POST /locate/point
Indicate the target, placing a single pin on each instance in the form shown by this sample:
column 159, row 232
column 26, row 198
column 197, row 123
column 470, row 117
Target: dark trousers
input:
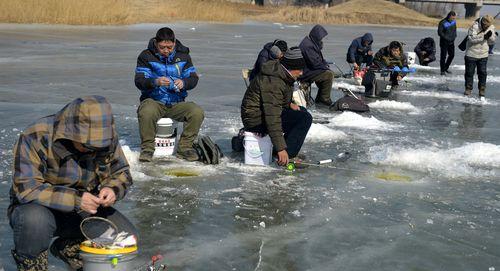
column 360, row 59
column 35, row 225
column 470, row 68
column 422, row 62
column 324, row 81
column 295, row 125
column 446, row 49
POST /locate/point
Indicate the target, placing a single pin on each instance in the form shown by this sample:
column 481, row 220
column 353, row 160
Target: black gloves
column 487, row 35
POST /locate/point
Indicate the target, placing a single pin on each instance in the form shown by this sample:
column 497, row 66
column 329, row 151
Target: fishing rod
column 343, row 74
column 341, row 157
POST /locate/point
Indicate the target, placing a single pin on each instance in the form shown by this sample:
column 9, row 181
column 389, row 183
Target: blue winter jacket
column 151, row 65
column 358, row 48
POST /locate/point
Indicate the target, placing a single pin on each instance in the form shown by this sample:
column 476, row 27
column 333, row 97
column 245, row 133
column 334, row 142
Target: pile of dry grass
column 76, row 12
column 353, row 12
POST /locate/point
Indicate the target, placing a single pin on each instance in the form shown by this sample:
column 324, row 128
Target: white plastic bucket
column 258, row 150
column 411, row 57
column 166, row 137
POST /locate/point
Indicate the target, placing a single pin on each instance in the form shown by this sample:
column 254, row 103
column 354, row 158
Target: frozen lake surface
column 237, row 217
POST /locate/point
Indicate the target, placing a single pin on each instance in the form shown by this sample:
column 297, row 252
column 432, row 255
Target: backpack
column 349, row 103
column 208, row 151
column 237, row 141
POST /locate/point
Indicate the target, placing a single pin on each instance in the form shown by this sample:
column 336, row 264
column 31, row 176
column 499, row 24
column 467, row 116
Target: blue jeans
column 35, row 225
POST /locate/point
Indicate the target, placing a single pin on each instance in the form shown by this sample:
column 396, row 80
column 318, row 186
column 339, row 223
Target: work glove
column 487, row 35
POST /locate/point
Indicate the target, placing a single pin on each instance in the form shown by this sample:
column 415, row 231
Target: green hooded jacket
column 265, row 98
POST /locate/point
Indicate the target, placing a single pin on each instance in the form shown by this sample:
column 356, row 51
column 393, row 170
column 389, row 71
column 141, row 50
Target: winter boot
column 482, row 91
column 68, row 250
column 188, row 154
column 39, row 263
column 146, row 156
column 468, row 92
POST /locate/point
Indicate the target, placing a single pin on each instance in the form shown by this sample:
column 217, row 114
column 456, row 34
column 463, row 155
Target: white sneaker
column 482, row 98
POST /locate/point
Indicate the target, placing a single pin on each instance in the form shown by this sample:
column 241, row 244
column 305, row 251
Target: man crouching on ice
column 67, row 166
column 267, row 106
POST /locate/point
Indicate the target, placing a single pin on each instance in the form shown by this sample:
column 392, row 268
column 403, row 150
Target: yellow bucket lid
column 107, row 251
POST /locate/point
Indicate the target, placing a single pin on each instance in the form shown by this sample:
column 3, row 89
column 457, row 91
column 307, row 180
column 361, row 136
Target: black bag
column 208, row 151
column 463, row 45
column 237, row 141
column 349, row 103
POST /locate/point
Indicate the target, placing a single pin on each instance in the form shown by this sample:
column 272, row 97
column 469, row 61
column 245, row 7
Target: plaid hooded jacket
column 49, row 171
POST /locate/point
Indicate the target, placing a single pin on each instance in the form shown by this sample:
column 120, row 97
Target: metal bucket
column 101, row 259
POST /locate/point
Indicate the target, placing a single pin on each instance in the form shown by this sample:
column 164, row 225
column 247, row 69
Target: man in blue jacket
column 360, row 51
column 164, row 74
column 447, row 31
column 317, row 69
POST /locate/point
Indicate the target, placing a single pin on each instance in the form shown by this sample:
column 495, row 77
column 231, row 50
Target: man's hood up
column 317, row 34
column 86, row 120
column 367, row 38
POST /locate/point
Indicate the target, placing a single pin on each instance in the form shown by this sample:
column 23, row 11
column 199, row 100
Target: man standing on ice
column 164, row 74
column 480, row 34
column 447, row 31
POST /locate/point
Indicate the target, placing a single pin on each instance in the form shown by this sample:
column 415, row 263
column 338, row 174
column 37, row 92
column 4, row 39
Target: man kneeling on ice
column 164, row 74
column 267, row 106
column 67, row 166
column 426, row 51
column 390, row 57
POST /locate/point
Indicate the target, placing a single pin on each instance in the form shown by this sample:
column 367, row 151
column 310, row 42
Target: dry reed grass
column 119, row 12
column 75, row 12
column 194, row 10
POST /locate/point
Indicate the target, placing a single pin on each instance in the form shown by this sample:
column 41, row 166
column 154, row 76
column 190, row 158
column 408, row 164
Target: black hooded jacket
column 264, row 56
column 429, row 46
column 358, row 48
column 311, row 47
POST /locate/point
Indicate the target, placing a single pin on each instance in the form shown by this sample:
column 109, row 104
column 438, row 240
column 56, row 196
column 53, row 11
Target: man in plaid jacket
column 66, row 166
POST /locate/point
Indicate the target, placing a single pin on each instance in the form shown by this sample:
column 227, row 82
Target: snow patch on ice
column 470, row 160
column 320, row 132
column 395, row 105
column 350, row 119
column 336, row 85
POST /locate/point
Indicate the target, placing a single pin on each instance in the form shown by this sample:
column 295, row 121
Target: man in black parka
column 317, row 69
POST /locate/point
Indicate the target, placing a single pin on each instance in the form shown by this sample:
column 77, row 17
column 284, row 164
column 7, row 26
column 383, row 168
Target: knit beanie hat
column 275, row 52
column 293, row 59
column 281, row 44
column 487, row 21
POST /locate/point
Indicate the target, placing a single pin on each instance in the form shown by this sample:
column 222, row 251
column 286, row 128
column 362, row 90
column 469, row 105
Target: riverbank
column 125, row 12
